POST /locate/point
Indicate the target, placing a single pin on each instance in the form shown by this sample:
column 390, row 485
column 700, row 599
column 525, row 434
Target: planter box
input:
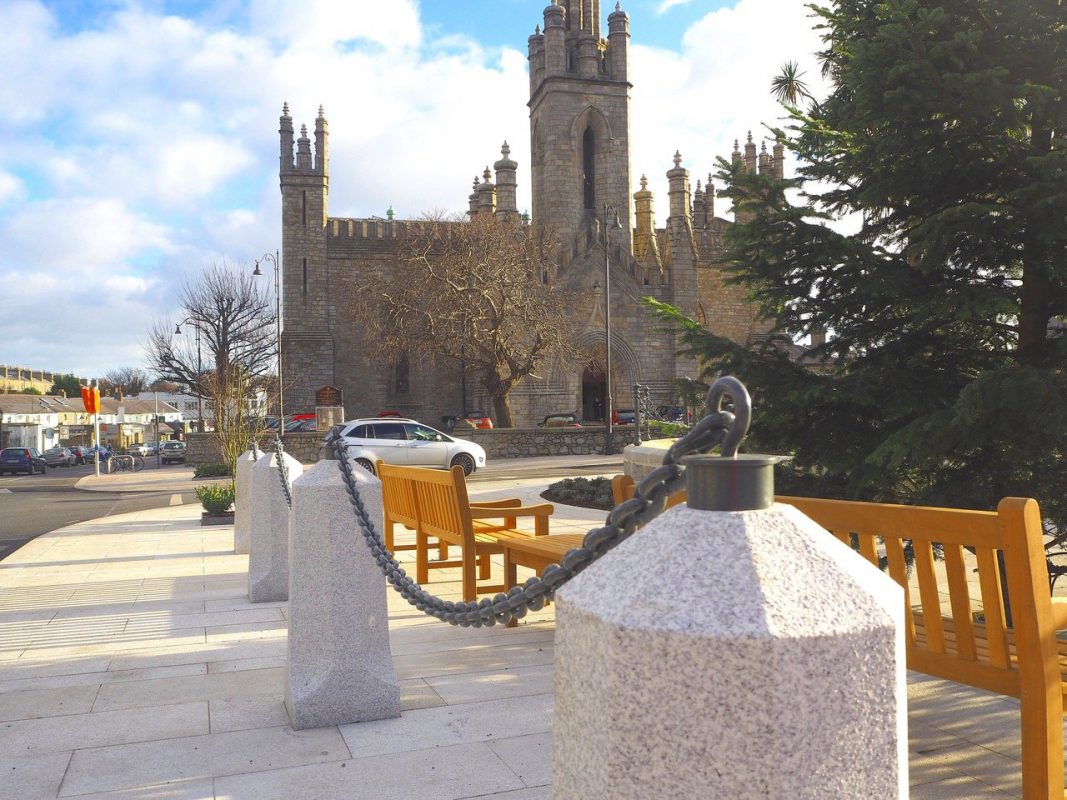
column 226, row 518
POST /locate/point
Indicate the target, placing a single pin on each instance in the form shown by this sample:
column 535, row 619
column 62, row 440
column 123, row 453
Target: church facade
column 580, row 172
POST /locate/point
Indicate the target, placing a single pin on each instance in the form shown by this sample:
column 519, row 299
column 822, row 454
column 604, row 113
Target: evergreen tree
column 67, row 385
column 944, row 137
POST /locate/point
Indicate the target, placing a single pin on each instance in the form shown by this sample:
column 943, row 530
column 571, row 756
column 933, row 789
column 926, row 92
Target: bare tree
column 127, row 380
column 480, row 292
column 234, row 316
column 237, row 420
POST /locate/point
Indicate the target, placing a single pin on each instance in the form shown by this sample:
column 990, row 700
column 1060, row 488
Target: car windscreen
column 14, row 452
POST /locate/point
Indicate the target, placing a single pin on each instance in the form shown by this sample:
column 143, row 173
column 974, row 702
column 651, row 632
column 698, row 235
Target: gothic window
column 589, row 168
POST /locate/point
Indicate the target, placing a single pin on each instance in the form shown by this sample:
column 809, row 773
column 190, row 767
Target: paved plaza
column 132, row 665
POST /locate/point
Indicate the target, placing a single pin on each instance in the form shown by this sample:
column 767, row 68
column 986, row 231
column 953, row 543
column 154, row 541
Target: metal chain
column 648, row 502
column 283, row 472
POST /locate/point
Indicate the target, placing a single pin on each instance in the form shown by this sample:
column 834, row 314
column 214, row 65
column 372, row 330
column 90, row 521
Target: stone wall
column 304, row 447
column 526, row 442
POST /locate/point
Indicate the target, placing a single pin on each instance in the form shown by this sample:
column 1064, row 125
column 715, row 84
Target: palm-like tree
column 787, row 87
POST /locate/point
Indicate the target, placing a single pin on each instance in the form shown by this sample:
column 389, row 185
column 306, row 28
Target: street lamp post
column 608, row 410
column 273, row 259
column 199, row 371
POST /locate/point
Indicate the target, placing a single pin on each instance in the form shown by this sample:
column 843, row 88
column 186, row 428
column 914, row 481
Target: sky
column 139, row 144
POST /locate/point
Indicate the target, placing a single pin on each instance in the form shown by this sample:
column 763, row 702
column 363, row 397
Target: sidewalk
column 180, row 478
column 133, row 666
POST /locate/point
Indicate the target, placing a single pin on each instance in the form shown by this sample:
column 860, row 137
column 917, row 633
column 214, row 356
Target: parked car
column 566, row 419
column 105, row 453
column 296, row 425
column 82, row 455
column 623, row 416
column 407, row 442
column 172, row 452
column 138, row 450
column 58, row 457
column 22, row 459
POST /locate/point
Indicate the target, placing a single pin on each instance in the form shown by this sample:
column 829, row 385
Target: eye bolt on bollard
column 731, row 648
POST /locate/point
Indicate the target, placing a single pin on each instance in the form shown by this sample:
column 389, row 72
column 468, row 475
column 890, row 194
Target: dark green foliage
column 944, row 138
column 212, row 471
column 216, row 498
column 584, row 492
column 67, row 385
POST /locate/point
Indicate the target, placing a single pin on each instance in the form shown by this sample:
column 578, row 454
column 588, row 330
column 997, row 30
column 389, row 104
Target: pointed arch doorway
column 594, row 391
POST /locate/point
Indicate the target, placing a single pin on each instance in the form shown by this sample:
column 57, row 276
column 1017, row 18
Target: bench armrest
column 511, row 502
column 540, row 513
column 540, row 510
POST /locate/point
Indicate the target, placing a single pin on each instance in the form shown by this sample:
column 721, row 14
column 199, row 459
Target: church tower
column 580, row 118
column 307, row 342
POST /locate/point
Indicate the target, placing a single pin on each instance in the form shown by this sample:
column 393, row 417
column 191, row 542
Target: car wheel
column 366, row 464
column 464, row 461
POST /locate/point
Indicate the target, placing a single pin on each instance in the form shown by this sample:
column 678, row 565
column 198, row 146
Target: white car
column 406, row 442
column 139, row 450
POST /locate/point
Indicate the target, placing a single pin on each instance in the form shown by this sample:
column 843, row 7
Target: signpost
column 91, row 401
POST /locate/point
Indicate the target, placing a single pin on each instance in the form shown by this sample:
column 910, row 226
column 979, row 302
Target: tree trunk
column 499, row 390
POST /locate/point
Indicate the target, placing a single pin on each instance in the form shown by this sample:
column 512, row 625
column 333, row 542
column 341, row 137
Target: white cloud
column 153, row 139
column 667, row 5
column 11, row 188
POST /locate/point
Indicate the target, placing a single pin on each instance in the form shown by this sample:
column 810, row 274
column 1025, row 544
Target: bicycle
column 125, row 463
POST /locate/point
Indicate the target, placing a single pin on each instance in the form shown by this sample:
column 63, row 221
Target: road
column 34, row 504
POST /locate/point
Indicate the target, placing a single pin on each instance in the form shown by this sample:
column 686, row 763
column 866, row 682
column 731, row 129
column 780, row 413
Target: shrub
column 584, row 492
column 216, row 498
column 212, row 471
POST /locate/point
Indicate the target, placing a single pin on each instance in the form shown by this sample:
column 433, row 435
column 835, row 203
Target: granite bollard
column 268, row 554
column 730, row 654
column 242, row 506
column 340, row 668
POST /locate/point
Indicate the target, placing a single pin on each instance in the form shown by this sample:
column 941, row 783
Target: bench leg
column 1042, row 746
column 484, row 565
column 389, row 536
column 470, row 581
column 442, row 549
column 422, row 557
column 511, row 579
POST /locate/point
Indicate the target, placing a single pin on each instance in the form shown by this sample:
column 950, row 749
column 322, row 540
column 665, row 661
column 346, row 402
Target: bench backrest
column 439, row 498
column 944, row 546
column 398, row 496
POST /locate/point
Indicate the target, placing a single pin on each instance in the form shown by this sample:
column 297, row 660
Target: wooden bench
column 435, row 504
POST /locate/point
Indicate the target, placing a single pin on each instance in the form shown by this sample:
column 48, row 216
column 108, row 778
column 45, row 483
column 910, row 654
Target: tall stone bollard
column 242, row 507
column 340, row 668
column 268, row 555
column 730, row 654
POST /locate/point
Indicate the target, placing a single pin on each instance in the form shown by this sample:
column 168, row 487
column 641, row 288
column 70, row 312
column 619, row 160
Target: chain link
column 283, row 472
column 623, row 520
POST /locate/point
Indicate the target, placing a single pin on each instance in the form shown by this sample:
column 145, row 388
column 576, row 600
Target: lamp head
column 616, row 225
column 257, row 270
column 178, row 328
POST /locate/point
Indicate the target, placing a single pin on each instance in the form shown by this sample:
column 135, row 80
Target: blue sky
column 139, row 139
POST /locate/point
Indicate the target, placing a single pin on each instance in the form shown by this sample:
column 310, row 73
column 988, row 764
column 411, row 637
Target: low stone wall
column 637, row 462
column 303, row 446
column 525, row 442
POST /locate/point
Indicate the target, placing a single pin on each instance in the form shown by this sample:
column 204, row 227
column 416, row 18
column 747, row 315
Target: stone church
column 580, row 171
